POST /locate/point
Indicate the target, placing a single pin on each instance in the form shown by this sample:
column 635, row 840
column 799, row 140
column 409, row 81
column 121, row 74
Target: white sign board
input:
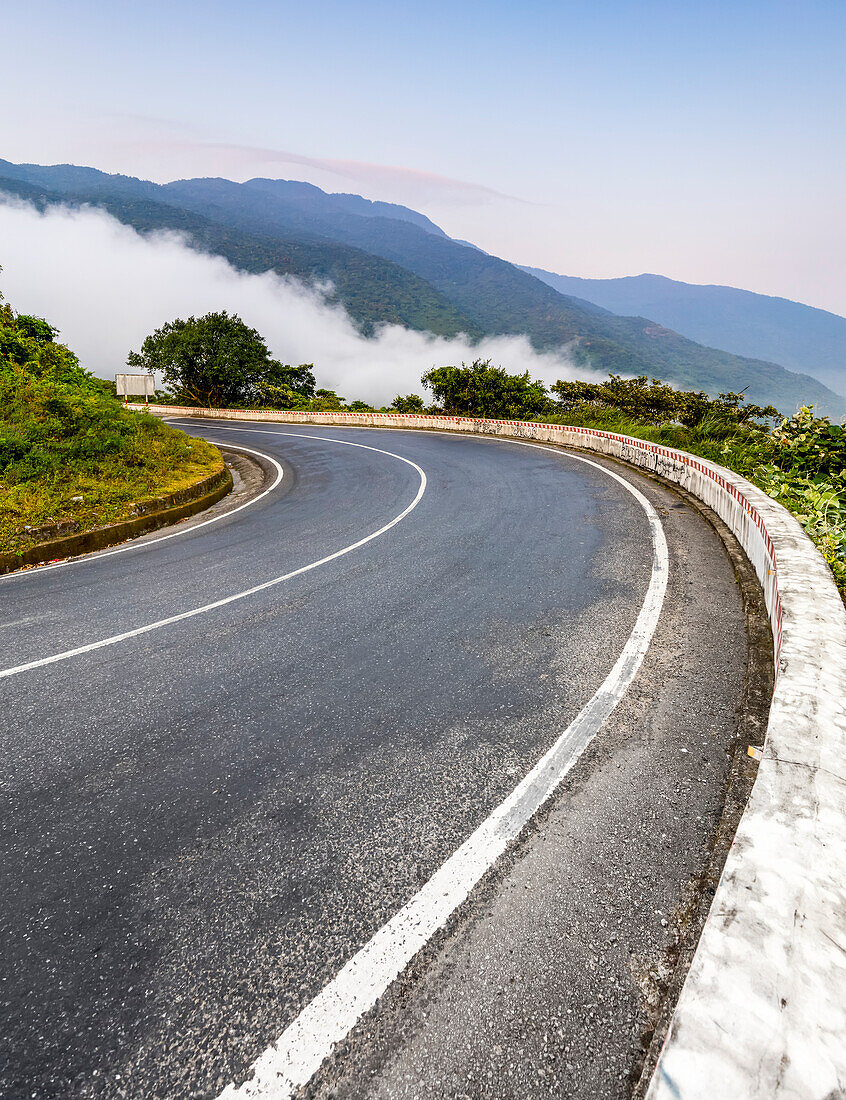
column 128, row 385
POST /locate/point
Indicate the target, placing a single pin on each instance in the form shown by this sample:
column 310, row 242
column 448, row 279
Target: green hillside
column 798, row 336
column 71, row 457
column 397, row 270
column 372, row 290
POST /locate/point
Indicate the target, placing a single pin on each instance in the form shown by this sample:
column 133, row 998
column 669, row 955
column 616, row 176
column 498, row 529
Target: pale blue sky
column 703, row 140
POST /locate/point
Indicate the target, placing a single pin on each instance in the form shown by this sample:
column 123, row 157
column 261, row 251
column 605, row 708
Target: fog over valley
column 106, row 287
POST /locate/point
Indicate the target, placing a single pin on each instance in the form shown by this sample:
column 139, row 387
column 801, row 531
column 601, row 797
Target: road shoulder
column 558, row 975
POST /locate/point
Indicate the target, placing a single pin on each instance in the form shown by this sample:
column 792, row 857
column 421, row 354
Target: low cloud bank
column 106, row 288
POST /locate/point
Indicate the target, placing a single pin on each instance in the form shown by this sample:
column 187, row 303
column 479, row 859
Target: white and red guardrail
column 762, row 1012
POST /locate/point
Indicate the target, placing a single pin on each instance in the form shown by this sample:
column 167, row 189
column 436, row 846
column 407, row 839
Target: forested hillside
column 402, row 269
column 797, row 336
column 372, row 290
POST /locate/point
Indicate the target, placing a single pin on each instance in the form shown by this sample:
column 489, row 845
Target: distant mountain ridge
column 74, row 179
column 390, row 264
column 373, row 291
column 798, row 336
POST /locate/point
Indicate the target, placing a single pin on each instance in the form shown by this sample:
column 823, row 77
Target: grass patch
column 71, row 457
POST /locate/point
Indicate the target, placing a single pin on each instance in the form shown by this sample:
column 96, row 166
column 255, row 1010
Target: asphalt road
column 202, row 822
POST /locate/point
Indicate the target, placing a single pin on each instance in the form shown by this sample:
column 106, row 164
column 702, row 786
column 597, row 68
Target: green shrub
column 68, row 450
column 801, row 462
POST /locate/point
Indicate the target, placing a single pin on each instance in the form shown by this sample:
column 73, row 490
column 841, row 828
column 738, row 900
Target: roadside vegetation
column 217, row 361
column 799, row 460
column 71, row 458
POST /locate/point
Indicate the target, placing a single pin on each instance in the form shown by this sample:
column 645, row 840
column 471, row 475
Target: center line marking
column 115, row 638
column 290, row 1063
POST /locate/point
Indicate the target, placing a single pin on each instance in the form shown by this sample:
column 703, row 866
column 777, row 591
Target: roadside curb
column 157, row 512
column 762, row 1012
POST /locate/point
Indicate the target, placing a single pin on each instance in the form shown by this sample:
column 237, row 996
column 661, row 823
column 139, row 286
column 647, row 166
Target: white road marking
column 135, row 544
column 115, row 638
column 295, row 1057
column 291, row 1062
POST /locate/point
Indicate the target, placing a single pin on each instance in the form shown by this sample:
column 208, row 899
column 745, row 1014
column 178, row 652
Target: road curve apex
column 762, row 1012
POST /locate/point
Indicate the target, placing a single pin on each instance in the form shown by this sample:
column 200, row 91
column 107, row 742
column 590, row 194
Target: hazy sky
column 700, row 140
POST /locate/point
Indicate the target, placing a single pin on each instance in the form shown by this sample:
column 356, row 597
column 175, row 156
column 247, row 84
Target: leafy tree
column 36, row 329
column 325, row 401
column 288, row 387
column 652, row 401
column 735, row 408
column 299, row 379
column 215, row 360
column 411, row 403
column 487, row 391
column 30, row 342
column 53, row 412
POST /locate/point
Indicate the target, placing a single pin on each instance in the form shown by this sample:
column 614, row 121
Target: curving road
column 232, row 755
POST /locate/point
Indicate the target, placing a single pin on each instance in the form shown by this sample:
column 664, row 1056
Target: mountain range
column 390, row 264
column 799, row 337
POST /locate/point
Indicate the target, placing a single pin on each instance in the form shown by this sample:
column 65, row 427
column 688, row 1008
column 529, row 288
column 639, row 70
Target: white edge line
column 136, row 544
column 115, row 638
column 290, row 1063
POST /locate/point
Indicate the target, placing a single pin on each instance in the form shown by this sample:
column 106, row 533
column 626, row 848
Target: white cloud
column 107, row 287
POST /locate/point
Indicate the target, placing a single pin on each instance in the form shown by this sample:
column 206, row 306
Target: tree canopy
column 55, row 416
column 287, row 387
column 488, row 391
column 218, row 360
column 484, row 390
column 411, row 403
column 654, row 402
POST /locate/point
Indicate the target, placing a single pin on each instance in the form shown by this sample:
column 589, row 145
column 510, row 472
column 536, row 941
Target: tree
column 734, row 407
column 215, row 360
column 640, row 398
column 484, row 390
column 411, row 403
column 31, row 342
column 652, row 401
column 288, row 387
column 326, row 401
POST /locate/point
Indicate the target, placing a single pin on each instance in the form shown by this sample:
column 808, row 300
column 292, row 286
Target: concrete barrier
column 762, row 1012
